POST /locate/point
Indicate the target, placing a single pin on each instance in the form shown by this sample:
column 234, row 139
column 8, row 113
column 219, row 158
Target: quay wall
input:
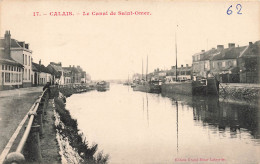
column 240, row 91
column 178, row 88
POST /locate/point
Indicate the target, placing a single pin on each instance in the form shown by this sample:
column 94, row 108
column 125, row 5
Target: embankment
column 240, row 91
column 177, row 88
column 73, row 145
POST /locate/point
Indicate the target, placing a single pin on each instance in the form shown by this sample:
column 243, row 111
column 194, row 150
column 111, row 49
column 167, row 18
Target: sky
column 113, row 46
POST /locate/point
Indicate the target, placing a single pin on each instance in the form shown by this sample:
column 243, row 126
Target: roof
column 71, row 69
column 39, row 68
column 14, row 43
column 5, row 59
column 199, row 53
column 208, row 55
column 229, row 53
column 253, row 50
column 55, row 67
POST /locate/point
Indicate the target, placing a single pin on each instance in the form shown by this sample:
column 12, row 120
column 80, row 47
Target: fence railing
column 29, row 145
column 29, row 148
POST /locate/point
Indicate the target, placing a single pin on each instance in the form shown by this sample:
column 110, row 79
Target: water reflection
column 177, row 124
column 138, row 127
column 147, row 108
column 226, row 116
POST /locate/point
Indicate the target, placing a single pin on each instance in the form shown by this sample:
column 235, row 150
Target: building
column 67, row 75
column 11, row 71
column 83, row 75
column 157, row 75
column 224, row 65
column 201, row 61
column 221, row 63
column 183, row 74
column 74, row 73
column 41, row 73
column 249, row 63
column 20, row 53
column 58, row 73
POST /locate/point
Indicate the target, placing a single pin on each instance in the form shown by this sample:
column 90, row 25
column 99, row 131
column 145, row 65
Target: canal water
column 137, row 127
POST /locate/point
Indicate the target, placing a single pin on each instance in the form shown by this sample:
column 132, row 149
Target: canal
column 137, row 127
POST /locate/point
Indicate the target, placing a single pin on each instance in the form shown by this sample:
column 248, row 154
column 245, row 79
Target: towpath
column 14, row 105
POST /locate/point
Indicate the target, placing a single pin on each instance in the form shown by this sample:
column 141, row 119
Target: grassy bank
column 68, row 128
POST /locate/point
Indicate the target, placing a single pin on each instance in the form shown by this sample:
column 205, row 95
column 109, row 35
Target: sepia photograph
column 129, row 82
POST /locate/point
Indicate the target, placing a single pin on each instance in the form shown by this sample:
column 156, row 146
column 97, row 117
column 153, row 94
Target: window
column 25, row 59
column 25, row 74
column 235, row 63
column 223, row 64
column 219, row 64
column 3, row 67
column 229, row 63
column 206, row 66
column 7, row 77
column 12, row 78
column 29, row 75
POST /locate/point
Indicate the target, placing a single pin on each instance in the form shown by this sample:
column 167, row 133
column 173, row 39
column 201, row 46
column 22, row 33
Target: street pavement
column 14, row 105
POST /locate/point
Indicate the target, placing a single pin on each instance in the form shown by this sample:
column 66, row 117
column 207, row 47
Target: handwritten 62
column 238, row 7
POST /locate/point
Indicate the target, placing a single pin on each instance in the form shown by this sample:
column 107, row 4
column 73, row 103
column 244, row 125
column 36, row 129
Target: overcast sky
column 112, row 47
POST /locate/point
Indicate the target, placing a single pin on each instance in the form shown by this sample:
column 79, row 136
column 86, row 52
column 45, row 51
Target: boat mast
column 147, row 68
column 176, row 54
column 142, row 69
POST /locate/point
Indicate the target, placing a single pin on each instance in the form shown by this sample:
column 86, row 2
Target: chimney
column 220, row 47
column 182, row 65
column 202, row 50
column 40, row 62
column 187, row 65
column 27, row 46
column 231, row 45
column 69, row 65
column 7, row 44
column 250, row 44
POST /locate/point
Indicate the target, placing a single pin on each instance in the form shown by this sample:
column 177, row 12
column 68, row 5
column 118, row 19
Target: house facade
column 11, row 72
column 228, row 65
column 41, row 74
column 224, row 65
column 249, row 63
column 58, row 73
column 183, row 74
column 20, row 52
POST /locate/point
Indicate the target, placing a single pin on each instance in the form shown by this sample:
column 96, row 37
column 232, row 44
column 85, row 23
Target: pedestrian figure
column 47, row 86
